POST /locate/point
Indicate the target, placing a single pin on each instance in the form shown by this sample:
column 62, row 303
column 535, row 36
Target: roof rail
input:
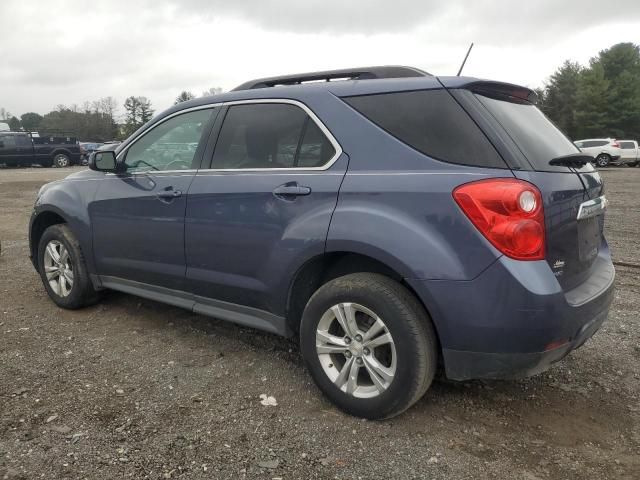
column 366, row 73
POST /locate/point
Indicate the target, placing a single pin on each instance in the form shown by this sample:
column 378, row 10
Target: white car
column 630, row 152
column 605, row 151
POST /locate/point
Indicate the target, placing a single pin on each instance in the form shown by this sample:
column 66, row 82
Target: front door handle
column 291, row 189
column 169, row 194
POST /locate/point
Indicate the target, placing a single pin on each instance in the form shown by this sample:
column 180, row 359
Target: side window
column 627, row 145
column 433, row 123
column 23, row 141
column 9, row 141
column 602, row 143
column 270, row 135
column 171, row 145
column 579, row 144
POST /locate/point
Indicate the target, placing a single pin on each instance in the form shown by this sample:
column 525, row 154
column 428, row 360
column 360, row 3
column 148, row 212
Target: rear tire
column 403, row 349
column 603, row 160
column 63, row 269
column 61, row 160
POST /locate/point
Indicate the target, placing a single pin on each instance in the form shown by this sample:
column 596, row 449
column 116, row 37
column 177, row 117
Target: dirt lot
column 132, row 388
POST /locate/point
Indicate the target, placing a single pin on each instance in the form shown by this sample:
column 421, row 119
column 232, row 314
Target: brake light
column 508, row 212
column 615, row 144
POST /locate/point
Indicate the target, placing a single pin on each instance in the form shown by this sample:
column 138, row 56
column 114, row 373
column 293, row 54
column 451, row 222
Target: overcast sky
column 70, row 51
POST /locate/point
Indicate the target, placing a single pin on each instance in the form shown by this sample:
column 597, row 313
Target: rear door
column 24, row 149
column 263, row 207
column 573, row 244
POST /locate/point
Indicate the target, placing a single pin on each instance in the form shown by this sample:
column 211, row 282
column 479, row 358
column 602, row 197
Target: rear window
column 432, row 122
column 627, row 145
column 538, row 139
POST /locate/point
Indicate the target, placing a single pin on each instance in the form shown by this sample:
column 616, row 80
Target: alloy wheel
column 58, row 268
column 356, row 350
column 602, row 160
column 61, row 160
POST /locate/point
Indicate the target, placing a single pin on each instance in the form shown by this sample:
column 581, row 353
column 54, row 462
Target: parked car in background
column 86, row 148
column 391, row 222
column 605, row 151
column 19, row 148
column 630, row 152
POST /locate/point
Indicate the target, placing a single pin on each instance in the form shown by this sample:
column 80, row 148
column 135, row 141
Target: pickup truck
column 630, row 152
column 19, row 148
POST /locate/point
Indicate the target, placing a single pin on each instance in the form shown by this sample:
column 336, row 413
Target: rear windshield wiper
column 572, row 160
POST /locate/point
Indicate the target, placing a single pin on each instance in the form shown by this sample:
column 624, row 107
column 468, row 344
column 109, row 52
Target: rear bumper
column 514, row 320
column 461, row 365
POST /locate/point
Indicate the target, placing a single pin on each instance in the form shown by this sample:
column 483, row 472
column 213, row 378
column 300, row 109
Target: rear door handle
column 291, row 189
column 168, row 194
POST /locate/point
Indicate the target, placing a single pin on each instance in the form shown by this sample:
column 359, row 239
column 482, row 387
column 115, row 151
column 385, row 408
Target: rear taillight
column 615, row 144
column 508, row 212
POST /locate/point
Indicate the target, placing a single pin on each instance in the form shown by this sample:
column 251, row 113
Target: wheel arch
column 61, row 150
column 323, row 268
column 39, row 223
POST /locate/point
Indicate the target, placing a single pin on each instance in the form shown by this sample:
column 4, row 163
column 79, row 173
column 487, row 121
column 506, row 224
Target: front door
column 138, row 215
column 263, row 207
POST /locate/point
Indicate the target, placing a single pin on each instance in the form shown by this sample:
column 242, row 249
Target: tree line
column 597, row 101
column 92, row 121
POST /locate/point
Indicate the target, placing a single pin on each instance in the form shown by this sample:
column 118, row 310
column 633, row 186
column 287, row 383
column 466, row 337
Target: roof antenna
column 465, row 59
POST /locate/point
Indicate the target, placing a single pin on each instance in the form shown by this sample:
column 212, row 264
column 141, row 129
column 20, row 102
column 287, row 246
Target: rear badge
column 558, row 265
column 592, row 208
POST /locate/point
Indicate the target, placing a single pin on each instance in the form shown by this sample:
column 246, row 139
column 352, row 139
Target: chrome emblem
column 592, row 208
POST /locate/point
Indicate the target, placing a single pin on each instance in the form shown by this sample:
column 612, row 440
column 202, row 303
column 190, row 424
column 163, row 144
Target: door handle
column 291, row 189
column 168, row 194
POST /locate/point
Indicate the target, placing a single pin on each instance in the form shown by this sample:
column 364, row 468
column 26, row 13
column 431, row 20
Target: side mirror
column 103, row 162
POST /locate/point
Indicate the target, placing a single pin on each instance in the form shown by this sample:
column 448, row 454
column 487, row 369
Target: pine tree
column 592, row 104
column 559, row 102
column 183, row 97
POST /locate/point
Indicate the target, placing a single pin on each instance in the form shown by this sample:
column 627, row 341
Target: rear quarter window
column 432, row 122
column 539, row 140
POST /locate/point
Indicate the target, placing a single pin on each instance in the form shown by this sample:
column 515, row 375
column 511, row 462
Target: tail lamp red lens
column 508, row 212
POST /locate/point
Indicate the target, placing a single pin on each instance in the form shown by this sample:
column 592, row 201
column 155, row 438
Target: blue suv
column 392, row 220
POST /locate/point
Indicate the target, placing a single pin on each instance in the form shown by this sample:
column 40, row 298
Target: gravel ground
column 135, row 389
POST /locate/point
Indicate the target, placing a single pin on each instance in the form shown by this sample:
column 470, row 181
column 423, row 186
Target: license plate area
column 589, row 238
column 590, row 226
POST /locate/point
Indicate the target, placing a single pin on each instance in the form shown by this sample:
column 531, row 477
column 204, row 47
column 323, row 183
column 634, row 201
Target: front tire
column 603, row 160
column 63, row 269
column 369, row 345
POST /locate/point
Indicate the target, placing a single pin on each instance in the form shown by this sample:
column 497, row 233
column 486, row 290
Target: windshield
column 534, row 134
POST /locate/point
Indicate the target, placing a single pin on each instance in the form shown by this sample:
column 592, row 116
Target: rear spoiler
column 500, row 90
